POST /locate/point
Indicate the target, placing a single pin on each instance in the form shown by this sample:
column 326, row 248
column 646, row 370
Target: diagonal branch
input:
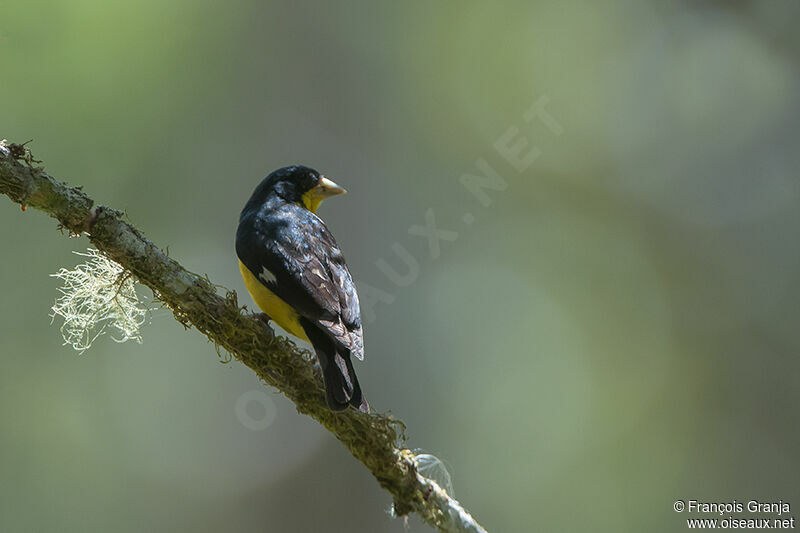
column 193, row 299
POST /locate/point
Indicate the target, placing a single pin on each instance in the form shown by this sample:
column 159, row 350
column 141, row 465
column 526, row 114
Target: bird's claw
column 265, row 319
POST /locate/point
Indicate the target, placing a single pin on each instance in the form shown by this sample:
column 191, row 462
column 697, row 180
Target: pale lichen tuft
column 97, row 295
column 433, row 468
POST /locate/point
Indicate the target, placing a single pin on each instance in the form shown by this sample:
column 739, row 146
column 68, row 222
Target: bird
column 296, row 274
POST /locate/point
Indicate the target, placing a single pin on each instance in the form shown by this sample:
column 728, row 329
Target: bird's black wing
column 294, row 254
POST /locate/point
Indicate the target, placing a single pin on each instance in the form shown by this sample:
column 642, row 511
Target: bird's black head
column 296, row 184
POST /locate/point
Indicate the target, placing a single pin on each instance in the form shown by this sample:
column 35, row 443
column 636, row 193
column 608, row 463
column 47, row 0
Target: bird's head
column 297, row 184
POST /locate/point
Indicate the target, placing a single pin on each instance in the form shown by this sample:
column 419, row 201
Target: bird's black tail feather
column 341, row 384
column 357, row 399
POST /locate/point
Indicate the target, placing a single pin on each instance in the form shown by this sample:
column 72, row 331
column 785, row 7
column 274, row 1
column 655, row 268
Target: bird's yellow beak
column 328, row 188
column 324, row 189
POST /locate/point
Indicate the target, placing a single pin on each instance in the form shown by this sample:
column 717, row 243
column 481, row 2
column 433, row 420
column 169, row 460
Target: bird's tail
column 341, row 384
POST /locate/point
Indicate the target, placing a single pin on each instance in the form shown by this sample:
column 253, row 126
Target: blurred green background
column 616, row 330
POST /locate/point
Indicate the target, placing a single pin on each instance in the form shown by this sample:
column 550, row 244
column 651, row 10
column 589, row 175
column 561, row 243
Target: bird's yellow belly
column 278, row 310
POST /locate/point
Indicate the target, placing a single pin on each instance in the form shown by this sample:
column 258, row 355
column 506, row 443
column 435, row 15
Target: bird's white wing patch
column 267, row 276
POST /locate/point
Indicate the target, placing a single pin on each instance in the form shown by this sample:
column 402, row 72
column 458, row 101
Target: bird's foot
column 264, row 318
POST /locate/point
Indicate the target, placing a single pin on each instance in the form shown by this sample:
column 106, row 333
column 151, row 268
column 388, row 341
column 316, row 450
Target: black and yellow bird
column 296, row 273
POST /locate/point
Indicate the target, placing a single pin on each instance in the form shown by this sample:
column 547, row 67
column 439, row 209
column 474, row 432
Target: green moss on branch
column 373, row 439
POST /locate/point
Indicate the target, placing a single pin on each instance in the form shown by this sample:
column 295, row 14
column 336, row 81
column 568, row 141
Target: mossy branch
column 194, row 300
